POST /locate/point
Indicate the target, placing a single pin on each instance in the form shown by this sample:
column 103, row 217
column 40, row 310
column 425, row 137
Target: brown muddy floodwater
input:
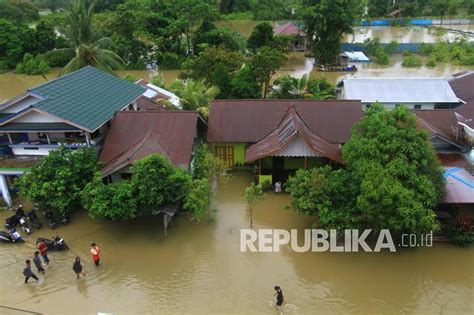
column 199, row 269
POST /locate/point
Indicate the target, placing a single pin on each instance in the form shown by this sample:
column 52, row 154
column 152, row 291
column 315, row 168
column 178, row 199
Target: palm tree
column 194, row 95
column 89, row 51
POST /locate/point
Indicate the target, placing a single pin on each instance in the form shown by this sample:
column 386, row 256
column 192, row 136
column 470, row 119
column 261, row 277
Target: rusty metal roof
column 459, row 186
column 443, row 123
column 134, row 135
column 249, row 121
column 290, row 128
column 463, row 86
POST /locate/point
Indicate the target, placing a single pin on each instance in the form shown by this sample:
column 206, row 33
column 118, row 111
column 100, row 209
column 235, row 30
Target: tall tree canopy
column 326, row 21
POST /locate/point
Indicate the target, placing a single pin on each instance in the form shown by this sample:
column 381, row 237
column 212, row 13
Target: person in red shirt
column 43, row 249
column 95, row 252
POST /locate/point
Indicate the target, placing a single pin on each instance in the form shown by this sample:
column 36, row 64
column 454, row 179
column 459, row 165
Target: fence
column 415, row 22
column 401, row 47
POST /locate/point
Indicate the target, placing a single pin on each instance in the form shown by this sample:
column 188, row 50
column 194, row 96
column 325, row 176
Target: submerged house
column 416, row 93
column 281, row 136
column 296, row 32
column 72, row 110
column 463, row 86
column 155, row 97
column 135, row 135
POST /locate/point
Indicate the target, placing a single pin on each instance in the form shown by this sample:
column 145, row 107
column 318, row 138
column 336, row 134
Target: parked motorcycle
column 57, row 243
column 65, row 219
column 24, row 225
column 12, row 222
column 50, row 218
column 34, row 219
column 11, row 237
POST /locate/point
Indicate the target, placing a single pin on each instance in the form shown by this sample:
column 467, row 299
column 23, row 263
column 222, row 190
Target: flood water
column 199, row 269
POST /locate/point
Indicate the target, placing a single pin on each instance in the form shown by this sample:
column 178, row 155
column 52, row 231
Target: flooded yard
column 199, row 269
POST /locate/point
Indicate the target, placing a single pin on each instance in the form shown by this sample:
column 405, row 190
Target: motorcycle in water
column 34, row 219
column 12, row 237
column 50, row 219
column 24, row 225
column 12, row 221
column 57, row 243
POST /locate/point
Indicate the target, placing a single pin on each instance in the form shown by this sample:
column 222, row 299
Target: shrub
column 131, row 78
column 32, row 65
column 461, row 231
column 411, row 61
column 431, row 63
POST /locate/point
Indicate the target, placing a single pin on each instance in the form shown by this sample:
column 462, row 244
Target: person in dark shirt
column 37, row 262
column 77, row 267
column 279, row 296
column 28, row 273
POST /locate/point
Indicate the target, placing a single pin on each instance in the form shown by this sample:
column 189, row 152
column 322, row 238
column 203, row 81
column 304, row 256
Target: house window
column 226, row 154
column 417, row 106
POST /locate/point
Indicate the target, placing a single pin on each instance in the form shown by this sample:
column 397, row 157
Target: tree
column 288, row 87
column 89, row 51
column 244, row 85
column 194, row 95
column 222, row 79
column 262, row 35
column 326, row 21
column 253, row 194
column 264, row 65
column 204, row 65
column 113, row 201
column 400, row 178
column 33, row 65
column 11, row 44
column 197, row 200
column 57, row 180
column 156, row 182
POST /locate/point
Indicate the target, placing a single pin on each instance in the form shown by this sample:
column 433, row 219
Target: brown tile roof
column 290, row 128
column 249, row 121
column 134, row 135
column 443, row 123
column 463, row 86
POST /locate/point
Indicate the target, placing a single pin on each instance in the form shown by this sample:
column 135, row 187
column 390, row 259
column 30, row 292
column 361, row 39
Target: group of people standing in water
column 43, row 251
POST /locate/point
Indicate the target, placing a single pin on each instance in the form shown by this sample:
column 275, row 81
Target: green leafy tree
column 204, row 65
column 326, row 21
column 57, row 180
column 11, row 45
column 33, row 65
column 194, row 95
column 114, row 201
column 221, row 78
column 400, row 178
column 156, row 182
column 288, row 87
column 262, row 35
column 89, row 51
column 253, row 194
column 244, row 85
column 197, row 200
column 264, row 65
column 18, row 11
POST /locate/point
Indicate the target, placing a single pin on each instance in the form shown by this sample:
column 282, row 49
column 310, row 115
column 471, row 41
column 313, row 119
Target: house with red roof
column 294, row 31
column 135, row 135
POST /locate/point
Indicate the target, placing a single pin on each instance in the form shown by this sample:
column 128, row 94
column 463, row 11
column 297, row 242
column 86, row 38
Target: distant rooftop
column 459, row 186
column 399, row 90
column 288, row 28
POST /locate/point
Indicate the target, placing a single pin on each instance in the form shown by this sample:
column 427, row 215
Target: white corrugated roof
column 356, row 56
column 399, row 90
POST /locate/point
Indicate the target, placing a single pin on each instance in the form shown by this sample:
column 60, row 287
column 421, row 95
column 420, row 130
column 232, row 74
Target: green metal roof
column 38, row 127
column 87, row 97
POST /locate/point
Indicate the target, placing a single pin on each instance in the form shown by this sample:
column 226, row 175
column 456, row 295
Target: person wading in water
column 77, row 267
column 279, row 297
column 95, row 252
